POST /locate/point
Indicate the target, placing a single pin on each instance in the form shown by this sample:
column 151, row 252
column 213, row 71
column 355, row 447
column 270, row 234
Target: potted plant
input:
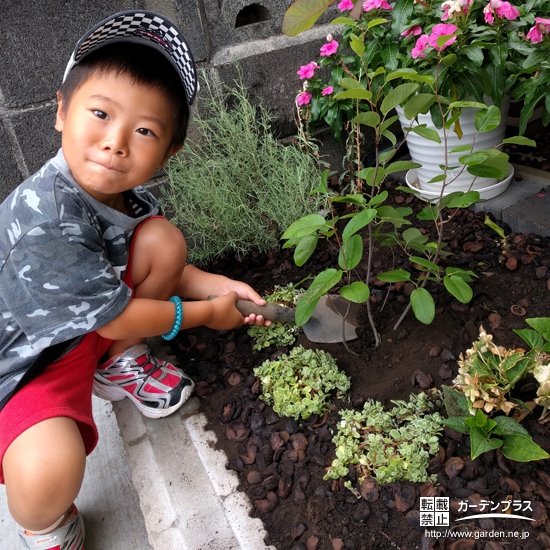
column 463, row 58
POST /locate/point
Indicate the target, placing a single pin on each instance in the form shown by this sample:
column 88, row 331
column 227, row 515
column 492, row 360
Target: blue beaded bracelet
column 176, row 300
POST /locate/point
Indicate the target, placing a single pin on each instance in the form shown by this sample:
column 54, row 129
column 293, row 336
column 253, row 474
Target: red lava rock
column 268, row 504
column 423, row 379
column 408, row 288
column 542, row 491
column 491, row 545
column 517, row 310
column 276, row 441
column 473, row 246
column 541, row 271
column 230, row 347
column 250, row 456
column 202, row 389
column 539, row 514
column 299, row 441
column 428, row 490
column 494, row 320
column 253, row 477
column 434, row 352
column 512, row 263
column 445, row 372
column 234, row 379
column 513, row 486
column 452, row 434
column 405, row 497
column 270, row 483
column 502, row 462
column 337, row 544
column 526, row 259
column 256, row 388
column 369, row 490
column 544, row 477
column 298, row 531
column 285, row 486
column 463, row 544
column 413, row 520
column 312, row 542
column 454, row 466
column 236, row 431
column 459, row 307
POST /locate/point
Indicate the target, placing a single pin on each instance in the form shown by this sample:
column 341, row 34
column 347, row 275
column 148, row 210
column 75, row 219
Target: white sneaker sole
column 116, row 393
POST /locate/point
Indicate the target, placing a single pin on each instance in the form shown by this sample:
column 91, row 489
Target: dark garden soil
column 285, row 485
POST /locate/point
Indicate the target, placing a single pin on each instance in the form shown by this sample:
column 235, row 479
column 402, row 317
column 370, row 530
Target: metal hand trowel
column 326, row 324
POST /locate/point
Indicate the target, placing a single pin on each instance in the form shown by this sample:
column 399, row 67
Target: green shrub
column 299, row 384
column 235, row 188
column 390, row 445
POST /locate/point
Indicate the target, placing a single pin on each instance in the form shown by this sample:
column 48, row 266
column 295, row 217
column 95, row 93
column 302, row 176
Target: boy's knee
column 159, row 235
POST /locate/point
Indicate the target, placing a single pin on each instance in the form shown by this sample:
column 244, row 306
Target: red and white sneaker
column 156, row 387
column 69, row 536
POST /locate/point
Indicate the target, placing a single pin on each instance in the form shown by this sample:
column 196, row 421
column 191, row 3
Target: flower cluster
column 473, row 48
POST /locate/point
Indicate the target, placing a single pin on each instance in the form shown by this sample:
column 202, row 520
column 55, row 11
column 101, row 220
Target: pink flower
column 420, row 46
column 415, row 30
column 327, row 91
column 369, row 5
column 345, row 5
column 536, row 34
column 307, row 71
column 504, row 10
column 544, row 22
column 329, row 49
column 452, row 7
column 303, row 98
column 442, row 29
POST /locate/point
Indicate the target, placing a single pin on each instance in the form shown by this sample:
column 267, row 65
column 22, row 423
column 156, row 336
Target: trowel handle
column 272, row 312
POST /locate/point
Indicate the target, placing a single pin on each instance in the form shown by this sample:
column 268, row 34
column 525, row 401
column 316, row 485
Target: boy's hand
column 246, row 292
column 225, row 315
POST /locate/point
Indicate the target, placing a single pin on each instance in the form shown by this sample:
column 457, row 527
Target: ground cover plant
column 234, row 188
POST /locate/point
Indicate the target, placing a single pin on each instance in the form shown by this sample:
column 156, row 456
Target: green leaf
column 409, row 74
column 495, row 227
column 456, row 403
column 522, row 449
column 400, row 166
column 457, row 423
column 323, row 186
column 358, row 292
column 443, row 39
column 541, row 325
column 397, row 96
column 371, row 119
column 354, row 94
column 305, row 248
column 351, row 252
column 389, row 136
column 461, row 149
column 428, row 213
column 437, row 179
column 533, row 339
column 419, row 103
column 377, row 199
column 459, row 199
column 481, row 444
column 357, row 45
column 487, row 119
column 461, row 104
column 376, row 22
column 427, row 133
column 302, row 14
column 351, row 84
column 319, row 287
column 305, row 226
column 449, row 60
column 484, row 171
column 423, row 305
column 394, row 276
column 359, row 221
column 520, row 140
column 462, row 273
column 458, row 288
column 343, row 21
column 430, row 266
column 508, row 426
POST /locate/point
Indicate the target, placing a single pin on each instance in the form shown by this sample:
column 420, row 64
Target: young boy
column 88, row 264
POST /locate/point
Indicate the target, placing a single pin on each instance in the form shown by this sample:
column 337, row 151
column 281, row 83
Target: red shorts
column 64, row 388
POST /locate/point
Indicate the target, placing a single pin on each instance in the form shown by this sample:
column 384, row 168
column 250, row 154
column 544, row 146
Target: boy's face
column 115, row 134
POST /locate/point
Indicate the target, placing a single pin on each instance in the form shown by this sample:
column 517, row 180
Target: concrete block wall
column 36, row 40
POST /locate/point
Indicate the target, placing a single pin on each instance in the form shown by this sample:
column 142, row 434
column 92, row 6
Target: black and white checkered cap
column 142, row 26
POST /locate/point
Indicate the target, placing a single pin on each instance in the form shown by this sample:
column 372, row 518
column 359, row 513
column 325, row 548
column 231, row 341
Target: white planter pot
column 431, row 154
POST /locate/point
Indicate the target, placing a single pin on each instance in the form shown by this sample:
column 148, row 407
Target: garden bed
column 281, row 462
